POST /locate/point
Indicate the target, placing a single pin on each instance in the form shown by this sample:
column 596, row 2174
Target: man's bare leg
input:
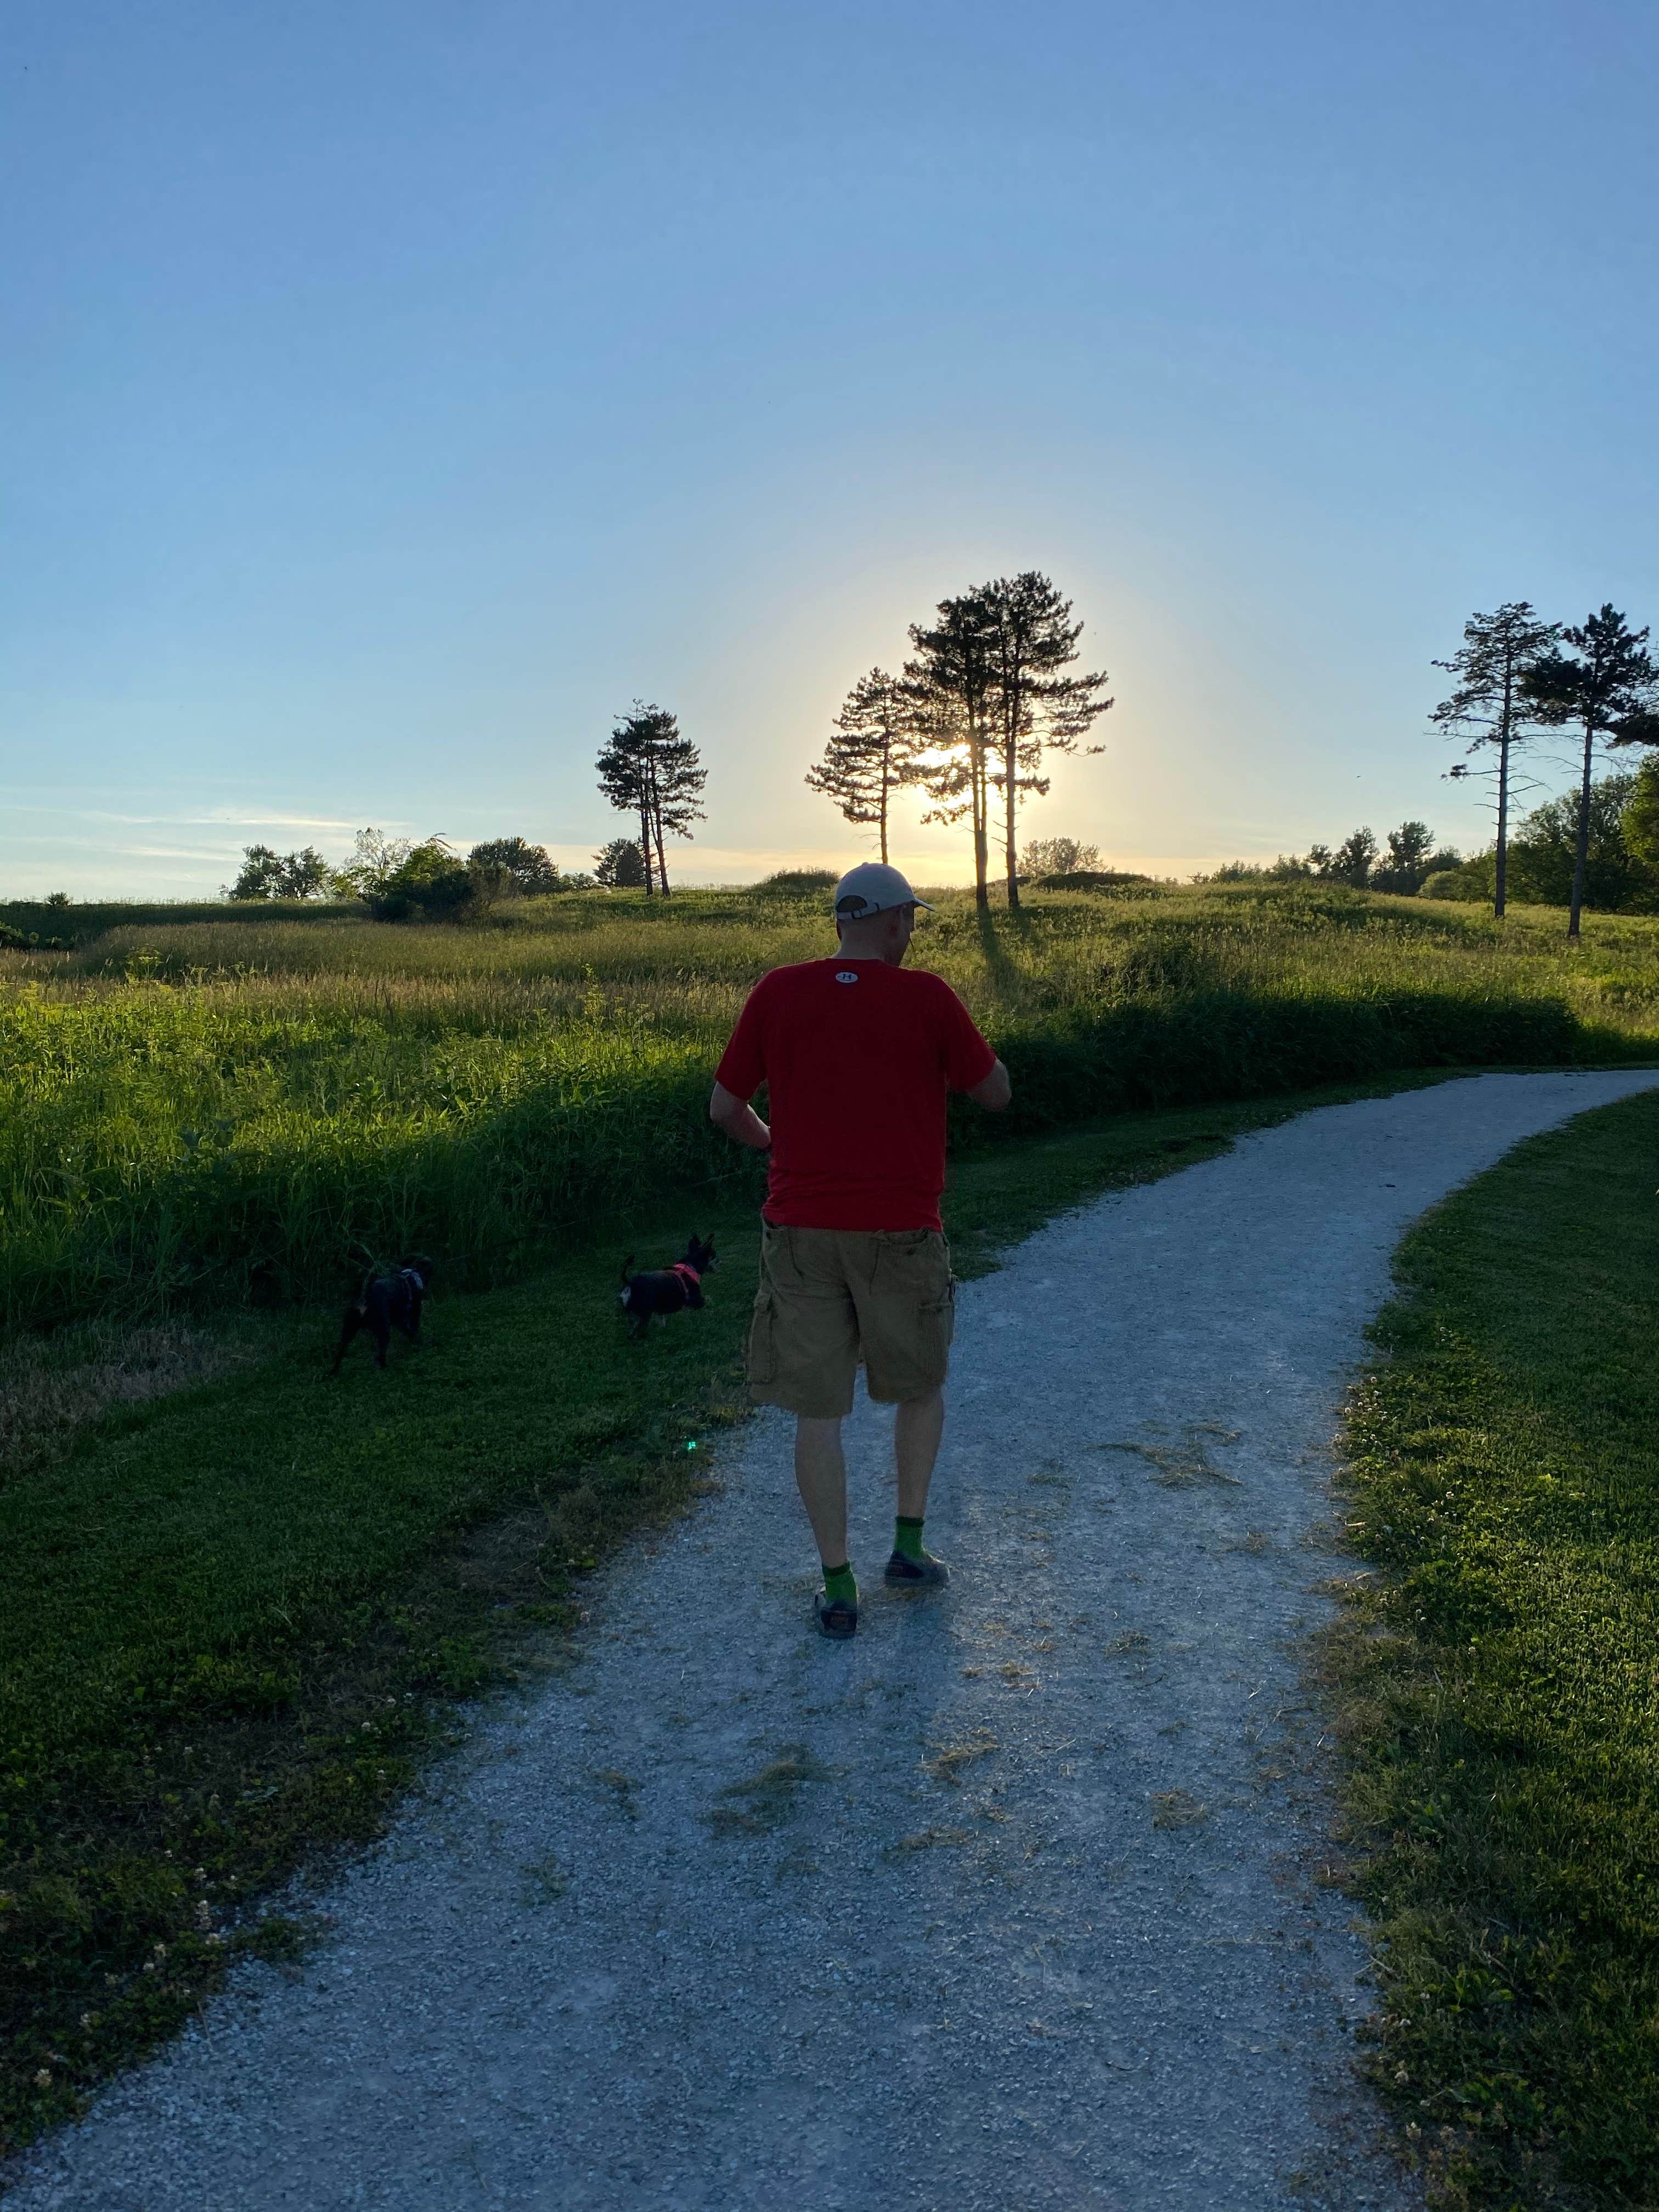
column 917, row 1427
column 821, row 1477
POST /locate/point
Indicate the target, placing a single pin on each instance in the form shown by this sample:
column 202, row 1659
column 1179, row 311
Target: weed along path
column 1013, row 1902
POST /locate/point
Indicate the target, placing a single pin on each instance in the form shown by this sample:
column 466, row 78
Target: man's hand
column 739, row 1119
column 995, row 1091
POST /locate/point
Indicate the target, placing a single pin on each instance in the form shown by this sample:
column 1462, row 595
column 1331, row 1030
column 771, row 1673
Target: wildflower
column 86, row 2020
column 43, row 2079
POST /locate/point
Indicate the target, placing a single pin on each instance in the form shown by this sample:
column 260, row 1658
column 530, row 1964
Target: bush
column 1091, row 879
column 1465, row 882
column 502, row 865
column 430, row 883
column 797, row 883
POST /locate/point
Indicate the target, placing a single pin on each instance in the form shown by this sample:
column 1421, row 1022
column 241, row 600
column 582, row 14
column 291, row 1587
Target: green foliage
column 1058, row 856
column 429, row 882
column 513, row 863
column 271, row 875
column 1503, row 1707
column 797, row 883
column 205, row 1113
column 620, row 866
column 1543, row 852
column 375, row 858
column 1639, row 822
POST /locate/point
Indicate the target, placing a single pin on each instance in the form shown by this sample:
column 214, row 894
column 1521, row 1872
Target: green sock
column 907, row 1537
column 838, row 1583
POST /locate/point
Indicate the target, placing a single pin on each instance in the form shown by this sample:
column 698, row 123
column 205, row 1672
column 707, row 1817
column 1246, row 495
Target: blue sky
column 394, row 393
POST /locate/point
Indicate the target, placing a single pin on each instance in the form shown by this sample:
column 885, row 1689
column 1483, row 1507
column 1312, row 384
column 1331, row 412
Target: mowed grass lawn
column 1501, row 1688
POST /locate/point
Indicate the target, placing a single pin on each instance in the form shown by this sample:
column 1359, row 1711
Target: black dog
column 666, row 1291
column 387, row 1302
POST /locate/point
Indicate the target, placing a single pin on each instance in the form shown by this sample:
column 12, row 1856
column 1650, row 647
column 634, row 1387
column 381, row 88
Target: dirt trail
column 1011, row 1903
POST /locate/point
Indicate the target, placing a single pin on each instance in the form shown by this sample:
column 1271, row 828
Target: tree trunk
column 644, row 844
column 1582, row 858
column 886, row 787
column 1011, row 803
column 982, row 822
column 662, row 863
column 1505, row 729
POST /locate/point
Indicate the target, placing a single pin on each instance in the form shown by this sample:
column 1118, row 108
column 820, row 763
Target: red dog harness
column 690, row 1279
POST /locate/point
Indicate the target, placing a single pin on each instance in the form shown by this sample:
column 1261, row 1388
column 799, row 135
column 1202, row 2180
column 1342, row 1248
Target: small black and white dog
column 386, row 1303
column 665, row 1290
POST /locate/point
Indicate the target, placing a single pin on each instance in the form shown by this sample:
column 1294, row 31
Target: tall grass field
column 237, row 1106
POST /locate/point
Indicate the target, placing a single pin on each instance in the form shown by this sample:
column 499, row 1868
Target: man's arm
column 742, row 1123
column 994, row 1091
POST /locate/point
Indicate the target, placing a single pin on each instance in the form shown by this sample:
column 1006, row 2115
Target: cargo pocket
column 761, row 1352
column 936, row 1328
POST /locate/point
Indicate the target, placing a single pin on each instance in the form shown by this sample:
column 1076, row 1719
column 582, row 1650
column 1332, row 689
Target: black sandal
column 836, row 1616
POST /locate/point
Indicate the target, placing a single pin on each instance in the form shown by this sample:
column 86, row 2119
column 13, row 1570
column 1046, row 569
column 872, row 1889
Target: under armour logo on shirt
column 847, row 975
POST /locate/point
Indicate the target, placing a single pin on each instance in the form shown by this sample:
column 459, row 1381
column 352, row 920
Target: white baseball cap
column 873, row 888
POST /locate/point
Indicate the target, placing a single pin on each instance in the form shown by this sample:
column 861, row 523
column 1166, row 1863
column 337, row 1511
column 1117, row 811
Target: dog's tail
column 626, row 1278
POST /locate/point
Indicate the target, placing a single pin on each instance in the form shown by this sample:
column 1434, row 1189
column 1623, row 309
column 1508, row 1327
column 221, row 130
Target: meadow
column 247, row 1107
column 235, row 1601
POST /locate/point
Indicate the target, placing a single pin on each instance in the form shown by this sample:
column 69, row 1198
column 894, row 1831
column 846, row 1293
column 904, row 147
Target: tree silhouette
column 1606, row 688
column 1490, row 706
column 1351, row 863
column 991, row 697
column 649, row 770
column 1036, row 707
column 1058, row 856
column 620, row 866
column 874, row 751
column 951, row 682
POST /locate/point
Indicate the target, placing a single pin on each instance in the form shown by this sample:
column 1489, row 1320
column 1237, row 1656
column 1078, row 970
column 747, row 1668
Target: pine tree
column 1608, row 690
column 951, row 686
column 620, row 866
column 872, row 753
column 649, row 770
column 1036, row 707
column 1490, row 706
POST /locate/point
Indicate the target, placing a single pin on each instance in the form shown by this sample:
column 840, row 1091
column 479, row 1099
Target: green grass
column 1502, row 1683
column 231, row 1611
column 250, row 1109
column 204, row 1598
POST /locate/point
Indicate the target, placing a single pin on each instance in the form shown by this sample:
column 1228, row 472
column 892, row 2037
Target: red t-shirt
column 858, row 1057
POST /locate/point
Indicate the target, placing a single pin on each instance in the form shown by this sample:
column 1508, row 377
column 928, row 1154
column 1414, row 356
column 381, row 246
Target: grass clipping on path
column 1501, row 1680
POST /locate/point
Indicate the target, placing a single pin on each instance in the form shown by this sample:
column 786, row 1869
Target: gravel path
column 1011, row 1903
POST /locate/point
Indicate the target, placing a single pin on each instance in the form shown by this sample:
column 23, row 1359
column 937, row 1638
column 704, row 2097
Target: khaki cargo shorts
column 830, row 1298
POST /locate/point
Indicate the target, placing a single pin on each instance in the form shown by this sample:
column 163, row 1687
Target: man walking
column 857, row 1055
